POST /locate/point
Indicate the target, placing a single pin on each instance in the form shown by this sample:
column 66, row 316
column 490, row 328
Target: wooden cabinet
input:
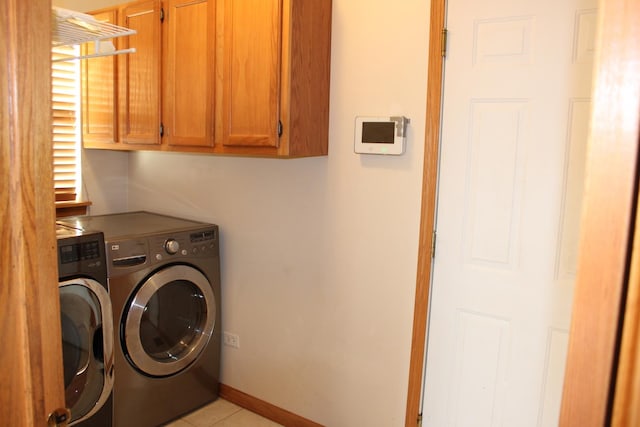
column 276, row 77
column 189, row 74
column 138, row 76
column 238, row 77
column 99, row 94
column 121, row 94
column 251, row 73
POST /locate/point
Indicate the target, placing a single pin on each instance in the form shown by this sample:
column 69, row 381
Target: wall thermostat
column 380, row 135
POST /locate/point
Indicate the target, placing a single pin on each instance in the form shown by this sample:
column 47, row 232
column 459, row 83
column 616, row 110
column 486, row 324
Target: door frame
column 435, row 75
column 31, row 364
column 603, row 257
column 608, row 226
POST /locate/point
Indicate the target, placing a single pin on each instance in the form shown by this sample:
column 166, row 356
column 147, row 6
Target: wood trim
column 265, row 409
column 626, row 409
column 626, row 405
column 429, row 188
column 608, row 207
column 31, row 363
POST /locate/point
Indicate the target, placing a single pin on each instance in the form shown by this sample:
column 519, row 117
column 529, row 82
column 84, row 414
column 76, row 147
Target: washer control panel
column 81, row 254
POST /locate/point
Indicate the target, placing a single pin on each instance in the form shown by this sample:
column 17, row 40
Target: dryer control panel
column 199, row 243
column 124, row 255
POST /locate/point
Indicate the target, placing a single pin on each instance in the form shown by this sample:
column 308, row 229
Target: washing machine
column 87, row 327
column 164, row 283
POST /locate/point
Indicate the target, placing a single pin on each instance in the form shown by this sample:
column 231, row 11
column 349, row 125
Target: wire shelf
column 72, row 28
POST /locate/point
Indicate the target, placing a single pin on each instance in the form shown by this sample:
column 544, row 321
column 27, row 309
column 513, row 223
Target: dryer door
column 87, row 346
column 169, row 320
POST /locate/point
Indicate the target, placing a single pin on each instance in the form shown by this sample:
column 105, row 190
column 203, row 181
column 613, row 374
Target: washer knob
column 171, row 246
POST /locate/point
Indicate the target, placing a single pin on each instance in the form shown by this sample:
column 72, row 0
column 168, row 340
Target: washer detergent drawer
column 87, row 346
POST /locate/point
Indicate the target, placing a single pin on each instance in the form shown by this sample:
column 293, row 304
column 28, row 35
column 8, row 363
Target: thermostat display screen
column 378, row 132
column 380, row 135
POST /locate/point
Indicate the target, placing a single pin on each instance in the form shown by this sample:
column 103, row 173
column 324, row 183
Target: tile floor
column 222, row 413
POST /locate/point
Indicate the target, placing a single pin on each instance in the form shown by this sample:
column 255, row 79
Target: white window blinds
column 66, row 121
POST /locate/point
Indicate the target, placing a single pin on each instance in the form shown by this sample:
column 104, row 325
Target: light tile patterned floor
column 222, row 413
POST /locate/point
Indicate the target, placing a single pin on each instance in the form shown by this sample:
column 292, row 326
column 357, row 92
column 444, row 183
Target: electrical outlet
column 231, row 340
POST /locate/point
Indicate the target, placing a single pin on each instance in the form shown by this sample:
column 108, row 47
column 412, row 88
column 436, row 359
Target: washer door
column 87, row 346
column 169, row 320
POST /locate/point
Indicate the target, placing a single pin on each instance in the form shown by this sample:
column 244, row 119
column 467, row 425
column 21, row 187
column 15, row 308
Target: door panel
column 139, row 74
column 189, row 73
column 517, row 82
column 252, row 34
column 99, row 106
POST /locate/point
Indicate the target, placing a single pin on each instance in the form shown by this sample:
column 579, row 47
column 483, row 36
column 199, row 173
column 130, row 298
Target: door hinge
column 162, row 14
column 279, row 128
column 444, row 43
column 161, row 130
column 433, row 246
column 419, row 420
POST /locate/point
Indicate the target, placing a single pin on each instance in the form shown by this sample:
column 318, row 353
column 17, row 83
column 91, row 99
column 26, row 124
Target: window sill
column 71, row 208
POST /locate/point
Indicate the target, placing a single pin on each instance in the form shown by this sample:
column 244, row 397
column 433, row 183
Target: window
column 66, row 123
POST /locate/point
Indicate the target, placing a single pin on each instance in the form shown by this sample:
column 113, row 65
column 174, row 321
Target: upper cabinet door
column 189, row 73
column 139, row 74
column 99, row 106
column 251, row 73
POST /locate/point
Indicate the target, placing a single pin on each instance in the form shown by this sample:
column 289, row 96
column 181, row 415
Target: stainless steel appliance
column 87, row 327
column 164, row 278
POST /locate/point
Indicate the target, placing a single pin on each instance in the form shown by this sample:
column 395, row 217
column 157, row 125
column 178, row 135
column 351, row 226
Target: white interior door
column 515, row 119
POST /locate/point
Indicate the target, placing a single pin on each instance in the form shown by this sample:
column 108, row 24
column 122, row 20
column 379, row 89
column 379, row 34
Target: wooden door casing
column 31, row 360
column 607, row 223
column 428, row 208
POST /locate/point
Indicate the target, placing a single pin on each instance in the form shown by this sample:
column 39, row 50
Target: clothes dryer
column 164, row 278
column 87, row 327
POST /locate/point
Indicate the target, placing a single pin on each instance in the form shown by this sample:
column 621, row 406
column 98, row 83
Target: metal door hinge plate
column 434, row 235
column 444, row 43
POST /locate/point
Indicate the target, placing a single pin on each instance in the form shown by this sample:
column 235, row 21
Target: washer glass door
column 169, row 320
column 87, row 346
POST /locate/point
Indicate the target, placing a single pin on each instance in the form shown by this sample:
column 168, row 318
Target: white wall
column 318, row 255
column 105, row 180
